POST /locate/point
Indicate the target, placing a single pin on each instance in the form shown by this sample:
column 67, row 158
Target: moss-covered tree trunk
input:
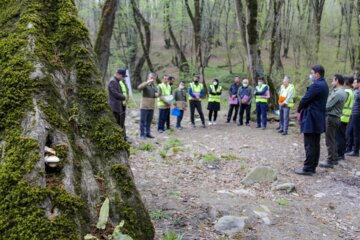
column 52, row 96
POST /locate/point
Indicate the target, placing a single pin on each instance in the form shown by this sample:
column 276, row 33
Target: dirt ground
column 190, row 178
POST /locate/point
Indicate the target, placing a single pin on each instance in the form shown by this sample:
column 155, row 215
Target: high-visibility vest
column 196, row 89
column 165, row 91
column 285, row 93
column 346, row 112
column 215, row 98
column 123, row 90
column 261, row 98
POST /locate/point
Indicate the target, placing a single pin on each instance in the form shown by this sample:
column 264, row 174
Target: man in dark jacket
column 118, row 96
column 312, row 108
column 234, row 103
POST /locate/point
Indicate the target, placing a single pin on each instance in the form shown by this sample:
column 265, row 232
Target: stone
column 320, row 195
column 260, row 175
column 287, row 187
column 263, row 216
column 230, row 224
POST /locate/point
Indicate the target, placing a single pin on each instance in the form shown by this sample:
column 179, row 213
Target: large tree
column 52, row 97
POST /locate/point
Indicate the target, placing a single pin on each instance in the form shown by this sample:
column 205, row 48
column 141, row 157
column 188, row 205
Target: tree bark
column 241, row 21
column 275, row 52
column 183, row 65
column 318, row 6
column 145, row 41
column 48, row 63
column 357, row 70
column 102, row 43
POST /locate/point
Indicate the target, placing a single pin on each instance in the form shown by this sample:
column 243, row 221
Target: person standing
column 233, row 99
column 350, row 129
column 214, row 101
column 196, row 92
column 261, row 99
column 149, row 94
column 164, row 103
column 180, row 103
column 334, row 108
column 171, row 83
column 355, row 122
column 244, row 95
column 286, row 102
column 345, row 119
column 118, row 97
column 312, row 109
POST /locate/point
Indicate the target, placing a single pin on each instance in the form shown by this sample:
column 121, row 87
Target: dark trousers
column 231, row 109
column 146, row 116
column 341, row 139
column 261, row 114
column 312, row 149
column 247, row 109
column 164, row 114
column 332, row 125
column 196, row 104
column 356, row 132
column 120, row 119
column 211, row 113
column 179, row 119
column 284, row 118
column 168, row 120
column 349, row 136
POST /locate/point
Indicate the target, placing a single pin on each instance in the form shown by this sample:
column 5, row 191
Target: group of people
column 338, row 115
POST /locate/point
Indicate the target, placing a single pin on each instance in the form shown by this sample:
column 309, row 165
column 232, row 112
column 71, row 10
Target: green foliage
column 171, row 143
column 158, row 214
column 162, row 154
column 229, row 157
column 210, row 158
column 172, row 236
column 283, row 202
column 146, row 147
column 104, row 214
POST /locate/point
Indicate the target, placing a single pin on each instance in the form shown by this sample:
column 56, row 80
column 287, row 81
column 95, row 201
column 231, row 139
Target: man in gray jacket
column 149, row 94
column 118, row 96
column 334, row 107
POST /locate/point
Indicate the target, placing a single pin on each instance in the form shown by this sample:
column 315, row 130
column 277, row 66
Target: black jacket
column 116, row 96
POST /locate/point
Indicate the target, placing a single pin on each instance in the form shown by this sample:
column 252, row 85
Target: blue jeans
column 163, row 118
column 146, row 116
column 261, row 114
column 349, row 136
column 284, row 118
column 179, row 119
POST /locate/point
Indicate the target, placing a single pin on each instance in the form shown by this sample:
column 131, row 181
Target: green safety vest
column 215, row 98
column 165, row 91
column 287, row 92
column 124, row 90
column 261, row 98
column 196, row 89
column 346, row 112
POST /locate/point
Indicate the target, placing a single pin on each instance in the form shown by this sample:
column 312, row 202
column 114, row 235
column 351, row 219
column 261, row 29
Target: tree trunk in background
column 252, row 40
column 241, row 21
column 287, row 25
column 184, row 65
column 226, row 35
column 48, row 63
column 318, row 6
column 275, row 53
column 196, row 23
column 145, row 41
column 340, row 34
column 102, row 43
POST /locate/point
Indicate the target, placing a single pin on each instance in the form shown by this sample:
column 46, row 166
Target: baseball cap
column 122, row 72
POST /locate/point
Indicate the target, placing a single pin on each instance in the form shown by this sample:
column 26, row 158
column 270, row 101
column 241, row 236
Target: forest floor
column 190, row 178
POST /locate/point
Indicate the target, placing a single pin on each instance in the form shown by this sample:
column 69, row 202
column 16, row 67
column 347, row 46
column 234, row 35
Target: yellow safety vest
column 346, row 112
column 215, row 98
column 261, row 98
column 165, row 91
column 196, row 89
column 285, row 93
column 124, row 90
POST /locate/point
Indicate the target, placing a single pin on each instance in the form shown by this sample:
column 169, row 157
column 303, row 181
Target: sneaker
column 326, row 164
column 258, row 126
column 214, row 123
column 210, row 123
column 161, row 131
column 179, row 128
column 278, row 128
column 352, row 154
column 284, row 133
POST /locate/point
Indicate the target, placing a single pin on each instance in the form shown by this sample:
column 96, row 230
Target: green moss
column 132, row 211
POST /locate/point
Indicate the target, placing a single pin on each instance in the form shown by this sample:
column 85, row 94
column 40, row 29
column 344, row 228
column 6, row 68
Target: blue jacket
column 313, row 107
column 234, row 89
